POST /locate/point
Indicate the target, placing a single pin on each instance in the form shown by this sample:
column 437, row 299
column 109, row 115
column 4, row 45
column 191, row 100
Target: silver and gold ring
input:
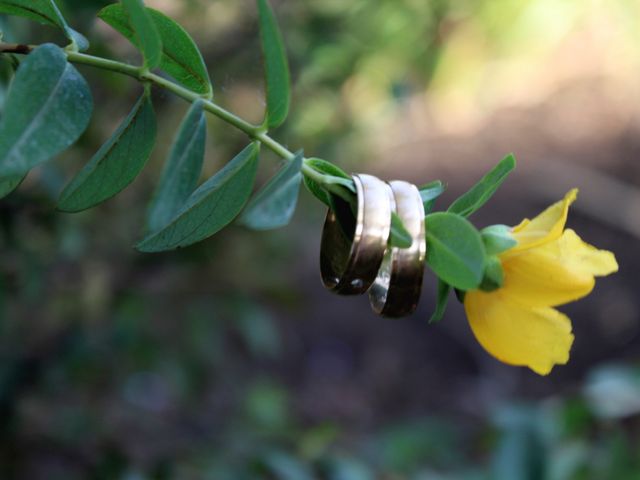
column 353, row 244
column 396, row 289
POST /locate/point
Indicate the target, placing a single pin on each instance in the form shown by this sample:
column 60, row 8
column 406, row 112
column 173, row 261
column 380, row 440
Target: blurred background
column 229, row 360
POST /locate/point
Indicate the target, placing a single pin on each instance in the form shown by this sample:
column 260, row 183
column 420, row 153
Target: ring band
column 352, row 250
column 396, row 290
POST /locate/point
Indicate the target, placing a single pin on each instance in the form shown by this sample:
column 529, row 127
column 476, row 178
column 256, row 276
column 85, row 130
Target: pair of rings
column 354, row 257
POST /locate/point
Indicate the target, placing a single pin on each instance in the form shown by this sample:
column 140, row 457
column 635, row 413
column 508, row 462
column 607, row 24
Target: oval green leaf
column 482, row 191
column 43, row 11
column 429, row 193
column 329, row 169
column 454, row 250
column 48, row 107
column 145, row 32
column 211, row 207
column 180, row 56
column 276, row 67
column 117, row 163
column 182, row 170
column 273, row 206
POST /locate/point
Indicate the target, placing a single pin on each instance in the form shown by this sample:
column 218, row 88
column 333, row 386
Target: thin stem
column 254, row 132
column 104, row 64
column 146, row 76
column 141, row 74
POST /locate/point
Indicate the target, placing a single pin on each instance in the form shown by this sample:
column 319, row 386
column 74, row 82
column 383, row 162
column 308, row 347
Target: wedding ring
column 353, row 243
column 396, row 290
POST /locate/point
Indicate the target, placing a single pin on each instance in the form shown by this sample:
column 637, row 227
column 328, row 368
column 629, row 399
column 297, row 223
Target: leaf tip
column 510, row 159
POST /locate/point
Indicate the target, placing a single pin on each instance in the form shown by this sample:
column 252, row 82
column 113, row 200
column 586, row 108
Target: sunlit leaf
column 454, row 250
column 182, row 170
column 275, row 65
column 117, row 163
column 211, row 207
column 274, row 205
column 180, row 56
column 482, row 191
column 145, row 32
column 48, row 106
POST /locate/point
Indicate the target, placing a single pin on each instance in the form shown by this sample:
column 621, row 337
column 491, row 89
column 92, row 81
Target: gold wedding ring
column 353, row 243
column 396, row 290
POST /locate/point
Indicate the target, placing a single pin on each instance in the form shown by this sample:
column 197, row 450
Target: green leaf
column 43, row 11
column 330, row 170
column 9, row 184
column 429, row 192
column 497, row 239
column 182, row 170
column 180, row 56
column 274, row 204
column 399, row 236
column 147, row 38
column 275, row 65
column 117, row 163
column 493, row 274
column 211, row 207
column 454, row 250
column 48, row 106
column 482, row 191
column 442, row 299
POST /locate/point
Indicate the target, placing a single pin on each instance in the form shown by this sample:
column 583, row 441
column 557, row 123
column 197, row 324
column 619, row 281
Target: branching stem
column 254, row 132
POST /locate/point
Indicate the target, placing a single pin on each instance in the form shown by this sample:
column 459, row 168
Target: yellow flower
column 548, row 267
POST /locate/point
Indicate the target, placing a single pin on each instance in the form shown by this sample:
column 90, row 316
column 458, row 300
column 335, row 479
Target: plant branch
column 142, row 75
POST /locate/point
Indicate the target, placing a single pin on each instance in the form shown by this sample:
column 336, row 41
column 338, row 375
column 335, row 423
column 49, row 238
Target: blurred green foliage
column 116, row 365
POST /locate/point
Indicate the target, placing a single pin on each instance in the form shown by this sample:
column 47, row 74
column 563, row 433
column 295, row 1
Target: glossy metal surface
column 353, row 243
column 396, row 290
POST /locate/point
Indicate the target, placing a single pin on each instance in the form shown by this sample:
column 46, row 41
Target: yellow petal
column 545, row 227
column 556, row 272
column 585, row 257
column 538, row 338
